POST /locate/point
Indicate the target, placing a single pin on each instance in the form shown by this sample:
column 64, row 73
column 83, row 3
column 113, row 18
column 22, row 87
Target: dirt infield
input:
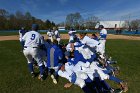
column 65, row 36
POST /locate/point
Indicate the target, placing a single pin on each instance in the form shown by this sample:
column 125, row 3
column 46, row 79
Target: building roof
column 110, row 24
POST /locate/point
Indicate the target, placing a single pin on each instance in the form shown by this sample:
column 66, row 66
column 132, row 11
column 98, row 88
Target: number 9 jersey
column 32, row 39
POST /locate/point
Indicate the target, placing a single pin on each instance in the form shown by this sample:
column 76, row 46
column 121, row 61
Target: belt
column 102, row 39
column 31, row 47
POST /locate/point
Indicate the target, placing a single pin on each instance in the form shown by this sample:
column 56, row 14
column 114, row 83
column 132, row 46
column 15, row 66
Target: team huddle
column 82, row 61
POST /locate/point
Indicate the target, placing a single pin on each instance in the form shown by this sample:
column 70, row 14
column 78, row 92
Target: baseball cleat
column 54, row 80
column 52, row 76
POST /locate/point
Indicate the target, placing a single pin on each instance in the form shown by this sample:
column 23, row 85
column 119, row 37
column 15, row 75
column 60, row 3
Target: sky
column 57, row 10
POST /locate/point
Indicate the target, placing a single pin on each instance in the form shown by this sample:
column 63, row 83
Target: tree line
column 132, row 25
column 18, row 19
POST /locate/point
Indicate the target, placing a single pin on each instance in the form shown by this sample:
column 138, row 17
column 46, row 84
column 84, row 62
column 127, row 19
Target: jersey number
column 33, row 37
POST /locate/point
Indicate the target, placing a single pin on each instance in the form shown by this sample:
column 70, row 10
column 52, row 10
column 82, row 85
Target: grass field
column 15, row 78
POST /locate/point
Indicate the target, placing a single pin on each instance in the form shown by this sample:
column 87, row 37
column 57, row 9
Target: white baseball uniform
column 50, row 35
column 90, row 42
column 93, row 43
column 31, row 50
column 21, row 34
column 57, row 35
column 102, row 39
column 69, row 70
column 92, row 70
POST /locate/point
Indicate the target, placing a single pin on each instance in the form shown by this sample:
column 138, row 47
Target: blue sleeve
column 73, row 77
column 103, row 35
column 78, row 57
column 71, row 61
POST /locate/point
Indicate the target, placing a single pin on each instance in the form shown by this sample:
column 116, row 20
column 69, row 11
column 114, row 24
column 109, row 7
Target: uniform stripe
column 52, row 57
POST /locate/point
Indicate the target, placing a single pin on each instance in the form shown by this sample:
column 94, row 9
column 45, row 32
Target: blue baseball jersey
column 54, row 55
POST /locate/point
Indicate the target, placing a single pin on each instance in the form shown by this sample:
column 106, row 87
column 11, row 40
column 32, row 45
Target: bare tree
column 91, row 22
column 73, row 20
column 135, row 24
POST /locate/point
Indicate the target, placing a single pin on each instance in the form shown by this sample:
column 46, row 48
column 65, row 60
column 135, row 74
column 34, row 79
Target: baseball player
column 50, row 35
column 87, row 40
column 94, row 44
column 67, row 71
column 54, row 56
column 72, row 35
column 32, row 43
column 102, row 37
column 72, row 38
column 22, row 31
column 56, row 34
